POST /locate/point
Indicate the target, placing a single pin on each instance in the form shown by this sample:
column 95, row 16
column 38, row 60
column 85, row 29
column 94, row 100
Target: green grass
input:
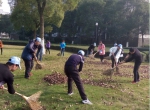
column 123, row 96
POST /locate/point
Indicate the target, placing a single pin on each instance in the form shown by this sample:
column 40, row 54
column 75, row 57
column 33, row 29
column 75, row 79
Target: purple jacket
column 48, row 44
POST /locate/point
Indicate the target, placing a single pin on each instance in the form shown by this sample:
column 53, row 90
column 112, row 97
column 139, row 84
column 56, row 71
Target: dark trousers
column 120, row 59
column 113, row 61
column 47, row 50
column 1, row 51
column 101, row 57
column 73, row 75
column 62, row 51
column 135, row 71
column 28, row 67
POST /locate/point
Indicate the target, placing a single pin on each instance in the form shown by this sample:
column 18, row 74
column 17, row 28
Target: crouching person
column 72, row 73
column 5, row 73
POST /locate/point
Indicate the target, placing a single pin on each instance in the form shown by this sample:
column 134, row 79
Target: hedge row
column 145, row 55
column 75, row 50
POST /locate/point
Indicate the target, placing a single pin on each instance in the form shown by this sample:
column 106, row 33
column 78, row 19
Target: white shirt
column 113, row 50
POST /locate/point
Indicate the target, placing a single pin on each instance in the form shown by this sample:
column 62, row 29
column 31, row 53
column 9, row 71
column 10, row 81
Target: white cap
column 15, row 60
column 115, row 44
column 81, row 52
column 120, row 46
column 38, row 39
column 95, row 44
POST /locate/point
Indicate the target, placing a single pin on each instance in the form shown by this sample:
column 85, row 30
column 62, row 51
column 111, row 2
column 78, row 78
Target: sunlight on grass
column 105, row 94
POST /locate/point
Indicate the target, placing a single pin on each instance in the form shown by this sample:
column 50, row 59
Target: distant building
column 146, row 40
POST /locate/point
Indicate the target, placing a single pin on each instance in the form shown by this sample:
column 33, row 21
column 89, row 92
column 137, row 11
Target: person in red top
column 1, row 46
column 101, row 50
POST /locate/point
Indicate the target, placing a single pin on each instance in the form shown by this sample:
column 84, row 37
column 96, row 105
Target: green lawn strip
column 117, row 94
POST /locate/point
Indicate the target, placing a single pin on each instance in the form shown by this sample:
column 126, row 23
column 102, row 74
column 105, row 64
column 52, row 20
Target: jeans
column 135, row 71
column 62, row 51
column 40, row 55
column 101, row 57
column 47, row 50
column 73, row 75
column 113, row 61
column 28, row 67
column 89, row 52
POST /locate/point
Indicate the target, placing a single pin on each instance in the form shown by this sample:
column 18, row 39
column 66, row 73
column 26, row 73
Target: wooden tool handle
column 36, row 59
column 95, row 53
column 18, row 94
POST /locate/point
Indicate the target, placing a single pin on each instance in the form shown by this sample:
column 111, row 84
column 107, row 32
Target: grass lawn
column 105, row 94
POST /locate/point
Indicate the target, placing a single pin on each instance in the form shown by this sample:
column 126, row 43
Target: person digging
column 6, row 75
column 72, row 73
column 134, row 54
column 28, row 55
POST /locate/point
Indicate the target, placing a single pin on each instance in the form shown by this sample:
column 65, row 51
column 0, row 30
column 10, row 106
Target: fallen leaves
column 55, row 78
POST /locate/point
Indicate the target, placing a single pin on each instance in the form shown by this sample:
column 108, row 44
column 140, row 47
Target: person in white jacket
column 115, row 54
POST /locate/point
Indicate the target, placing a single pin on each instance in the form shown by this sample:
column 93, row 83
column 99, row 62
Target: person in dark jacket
column 29, row 53
column 90, row 49
column 5, row 73
column 72, row 73
column 134, row 54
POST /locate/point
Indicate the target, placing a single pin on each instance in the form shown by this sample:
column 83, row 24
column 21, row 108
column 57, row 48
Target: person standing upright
column 29, row 54
column 72, row 72
column 101, row 50
column 48, row 45
column 1, row 46
column 62, row 46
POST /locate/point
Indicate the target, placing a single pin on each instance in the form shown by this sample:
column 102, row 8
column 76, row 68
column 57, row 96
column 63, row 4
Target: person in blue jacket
column 63, row 46
column 28, row 55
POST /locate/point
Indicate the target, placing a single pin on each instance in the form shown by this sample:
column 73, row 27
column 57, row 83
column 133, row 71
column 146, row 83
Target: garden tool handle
column 95, row 53
column 17, row 93
column 36, row 59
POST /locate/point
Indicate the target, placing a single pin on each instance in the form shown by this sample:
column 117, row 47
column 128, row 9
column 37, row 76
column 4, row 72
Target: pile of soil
column 55, row 78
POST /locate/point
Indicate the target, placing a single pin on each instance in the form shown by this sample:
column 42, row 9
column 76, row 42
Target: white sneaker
column 70, row 93
column 87, row 102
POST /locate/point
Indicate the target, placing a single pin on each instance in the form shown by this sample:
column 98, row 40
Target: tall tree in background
column 49, row 11
column 5, row 24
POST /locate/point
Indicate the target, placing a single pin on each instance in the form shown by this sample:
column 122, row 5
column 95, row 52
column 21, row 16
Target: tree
column 5, row 24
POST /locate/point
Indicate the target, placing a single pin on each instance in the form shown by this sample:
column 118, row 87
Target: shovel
column 32, row 100
column 38, row 65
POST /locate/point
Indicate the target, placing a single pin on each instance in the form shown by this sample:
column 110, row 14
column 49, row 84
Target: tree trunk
column 41, row 7
column 142, row 40
column 42, row 32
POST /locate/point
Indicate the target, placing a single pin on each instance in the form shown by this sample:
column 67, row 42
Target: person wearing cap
column 115, row 54
column 28, row 55
column 101, row 50
column 121, row 56
column 134, row 54
column 72, row 72
column 90, row 49
column 115, row 45
column 6, row 75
